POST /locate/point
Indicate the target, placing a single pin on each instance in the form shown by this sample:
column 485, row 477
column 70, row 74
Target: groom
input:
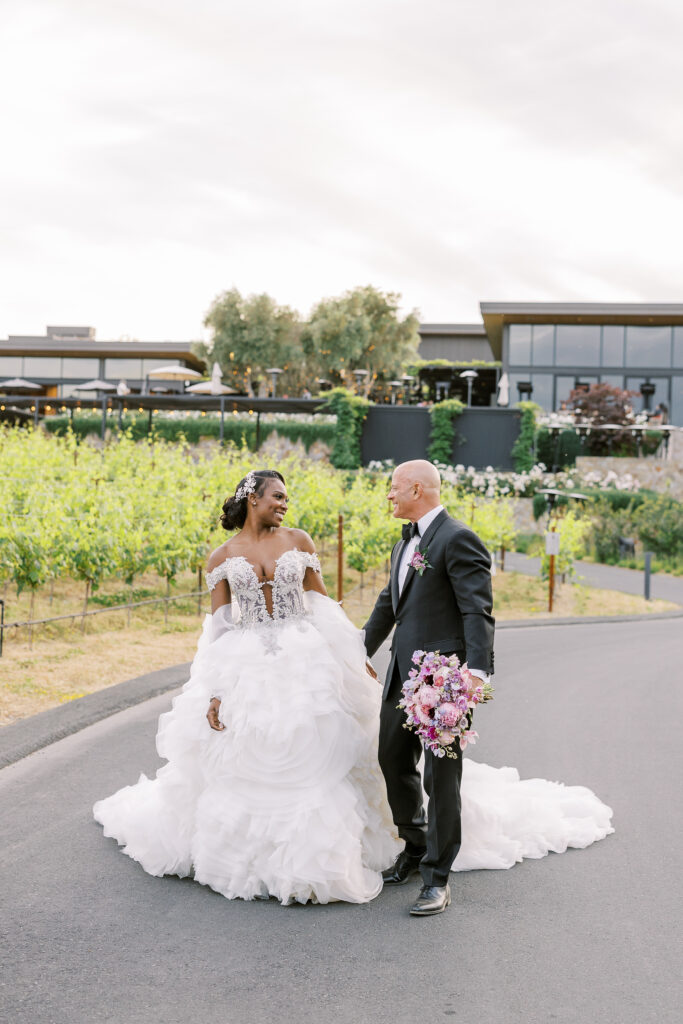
column 446, row 608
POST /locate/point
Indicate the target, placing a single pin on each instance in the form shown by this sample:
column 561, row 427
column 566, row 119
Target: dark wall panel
column 484, row 437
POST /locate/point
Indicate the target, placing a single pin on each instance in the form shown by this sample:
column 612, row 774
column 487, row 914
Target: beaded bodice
column 247, row 589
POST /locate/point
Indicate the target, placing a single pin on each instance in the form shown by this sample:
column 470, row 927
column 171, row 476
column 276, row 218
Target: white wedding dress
column 288, row 800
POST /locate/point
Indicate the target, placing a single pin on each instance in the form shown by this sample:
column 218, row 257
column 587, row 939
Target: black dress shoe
column 405, row 865
column 433, row 899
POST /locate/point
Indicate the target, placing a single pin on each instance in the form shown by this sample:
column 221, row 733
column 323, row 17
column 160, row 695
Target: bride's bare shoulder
column 301, row 540
column 218, row 556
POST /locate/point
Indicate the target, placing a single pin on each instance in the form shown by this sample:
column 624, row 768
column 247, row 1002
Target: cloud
column 452, row 151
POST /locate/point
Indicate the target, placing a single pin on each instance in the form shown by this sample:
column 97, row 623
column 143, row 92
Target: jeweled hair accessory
column 248, row 487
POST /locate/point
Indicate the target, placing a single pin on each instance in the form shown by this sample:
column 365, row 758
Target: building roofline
column 17, row 345
column 477, row 329
column 496, row 314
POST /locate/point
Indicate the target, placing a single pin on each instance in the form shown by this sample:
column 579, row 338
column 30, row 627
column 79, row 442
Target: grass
column 62, row 662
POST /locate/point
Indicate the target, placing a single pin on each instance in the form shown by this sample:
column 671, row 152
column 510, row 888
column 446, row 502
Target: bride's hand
column 212, row 715
column 370, row 670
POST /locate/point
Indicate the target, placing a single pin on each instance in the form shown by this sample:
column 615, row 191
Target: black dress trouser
column 438, row 833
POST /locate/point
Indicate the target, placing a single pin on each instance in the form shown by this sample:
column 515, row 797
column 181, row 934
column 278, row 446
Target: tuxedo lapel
column 424, row 542
column 394, row 575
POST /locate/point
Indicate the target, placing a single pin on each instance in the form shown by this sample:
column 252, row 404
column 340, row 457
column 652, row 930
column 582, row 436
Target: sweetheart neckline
column 243, row 558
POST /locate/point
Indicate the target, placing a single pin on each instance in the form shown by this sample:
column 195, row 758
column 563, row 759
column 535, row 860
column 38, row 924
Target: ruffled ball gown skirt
column 288, row 800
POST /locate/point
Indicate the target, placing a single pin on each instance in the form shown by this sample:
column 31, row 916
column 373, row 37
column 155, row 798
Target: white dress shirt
column 408, row 552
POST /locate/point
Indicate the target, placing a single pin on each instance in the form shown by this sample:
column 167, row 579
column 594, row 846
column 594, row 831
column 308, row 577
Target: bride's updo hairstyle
column 235, row 508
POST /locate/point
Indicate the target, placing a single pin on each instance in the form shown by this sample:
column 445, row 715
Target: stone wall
column 657, row 474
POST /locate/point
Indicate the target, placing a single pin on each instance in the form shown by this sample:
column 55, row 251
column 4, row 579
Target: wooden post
column 502, row 558
column 340, row 559
column 552, row 548
column 222, row 431
column 199, row 590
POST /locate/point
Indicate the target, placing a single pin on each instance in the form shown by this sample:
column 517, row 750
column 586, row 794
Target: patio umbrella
column 16, row 384
column 95, row 385
column 174, row 372
column 214, row 386
column 504, row 390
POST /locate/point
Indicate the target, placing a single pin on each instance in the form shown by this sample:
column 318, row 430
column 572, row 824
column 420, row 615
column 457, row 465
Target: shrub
column 442, row 434
column 557, row 449
column 350, row 411
column 523, row 450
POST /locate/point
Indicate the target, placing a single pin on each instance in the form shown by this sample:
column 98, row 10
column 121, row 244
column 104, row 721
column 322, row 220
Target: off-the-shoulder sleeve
column 216, row 575
column 311, row 561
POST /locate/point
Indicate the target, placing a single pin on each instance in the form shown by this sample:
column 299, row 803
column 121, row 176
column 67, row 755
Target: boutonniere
column 419, row 562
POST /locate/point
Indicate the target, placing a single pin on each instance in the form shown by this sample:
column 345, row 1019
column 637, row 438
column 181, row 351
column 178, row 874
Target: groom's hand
column 212, row 715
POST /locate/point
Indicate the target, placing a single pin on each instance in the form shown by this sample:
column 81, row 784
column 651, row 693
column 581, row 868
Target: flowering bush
column 493, row 483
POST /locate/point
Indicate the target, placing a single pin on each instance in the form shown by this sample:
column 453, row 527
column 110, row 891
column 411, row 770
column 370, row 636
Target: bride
column 283, row 795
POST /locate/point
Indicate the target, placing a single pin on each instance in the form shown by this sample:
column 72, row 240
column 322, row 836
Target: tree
column 249, row 335
column 361, row 329
column 602, row 404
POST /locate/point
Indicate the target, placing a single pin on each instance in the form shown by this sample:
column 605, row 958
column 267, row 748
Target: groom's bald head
column 415, row 489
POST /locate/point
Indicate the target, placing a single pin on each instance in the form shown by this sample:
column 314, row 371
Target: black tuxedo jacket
column 447, row 608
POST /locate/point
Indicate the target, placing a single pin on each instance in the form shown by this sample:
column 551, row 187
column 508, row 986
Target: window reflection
column 613, row 345
column 519, row 342
column 86, row 368
column 115, row 369
column 577, row 345
column 661, row 393
column 676, row 409
column 543, row 344
column 648, row 346
column 42, row 366
column 543, row 390
column 678, row 346
column 10, row 366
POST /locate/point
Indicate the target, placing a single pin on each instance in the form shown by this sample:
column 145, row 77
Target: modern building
column 67, row 356
column 554, row 347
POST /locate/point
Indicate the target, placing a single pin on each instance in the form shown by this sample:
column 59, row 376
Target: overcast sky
column 157, row 152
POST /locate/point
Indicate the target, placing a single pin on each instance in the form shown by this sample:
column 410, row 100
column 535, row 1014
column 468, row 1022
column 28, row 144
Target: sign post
column 552, row 548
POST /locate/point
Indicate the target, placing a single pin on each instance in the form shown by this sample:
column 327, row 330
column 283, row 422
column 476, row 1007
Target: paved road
column 589, row 936
column 608, row 577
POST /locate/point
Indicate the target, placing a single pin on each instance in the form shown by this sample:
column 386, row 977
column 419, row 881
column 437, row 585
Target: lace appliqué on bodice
column 287, row 584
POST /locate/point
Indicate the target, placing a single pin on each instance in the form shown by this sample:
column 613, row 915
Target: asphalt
column 588, row 936
column 608, row 577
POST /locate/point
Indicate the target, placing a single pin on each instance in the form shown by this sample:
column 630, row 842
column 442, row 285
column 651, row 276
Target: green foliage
column 195, row 428
column 659, row 522
column 442, row 433
column 574, row 530
column 360, row 329
column 557, row 448
column 251, row 334
column 350, row 411
column 523, row 450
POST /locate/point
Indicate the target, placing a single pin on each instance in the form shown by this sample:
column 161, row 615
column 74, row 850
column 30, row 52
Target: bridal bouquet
column 437, row 697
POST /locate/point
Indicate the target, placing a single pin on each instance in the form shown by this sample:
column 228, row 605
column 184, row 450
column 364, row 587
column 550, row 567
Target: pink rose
column 449, row 714
column 427, row 696
column 447, row 737
column 423, row 714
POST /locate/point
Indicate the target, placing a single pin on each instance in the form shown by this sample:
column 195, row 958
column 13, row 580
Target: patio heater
column 647, row 390
column 395, row 386
column 469, row 376
column 407, row 381
column 360, row 376
column 525, row 389
column 274, row 372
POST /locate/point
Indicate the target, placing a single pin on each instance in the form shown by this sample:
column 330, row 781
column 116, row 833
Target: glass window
column 85, row 368
column 543, row 390
column 577, row 345
column 648, row 346
column 42, row 366
column 515, row 378
column 519, row 344
column 615, row 380
column 661, row 393
column 612, row 345
column 543, row 348
column 563, row 388
column 10, row 366
column 676, row 409
column 678, row 346
column 117, row 369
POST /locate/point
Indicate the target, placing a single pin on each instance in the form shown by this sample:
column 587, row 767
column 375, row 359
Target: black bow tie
column 409, row 530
